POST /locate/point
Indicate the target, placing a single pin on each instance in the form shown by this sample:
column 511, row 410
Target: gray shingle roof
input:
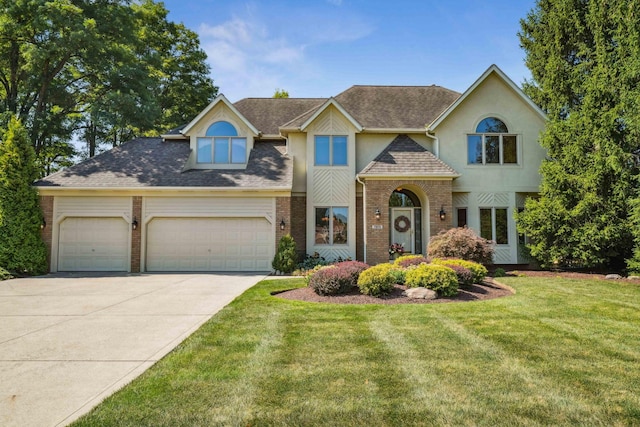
column 405, row 157
column 150, row 162
column 390, row 107
column 268, row 114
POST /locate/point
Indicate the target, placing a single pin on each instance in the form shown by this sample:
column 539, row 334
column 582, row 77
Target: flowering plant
column 396, row 248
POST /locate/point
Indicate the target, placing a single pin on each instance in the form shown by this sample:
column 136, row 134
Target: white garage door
column 209, row 244
column 93, row 244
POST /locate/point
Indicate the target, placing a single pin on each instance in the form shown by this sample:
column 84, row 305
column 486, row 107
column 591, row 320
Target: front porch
column 406, row 212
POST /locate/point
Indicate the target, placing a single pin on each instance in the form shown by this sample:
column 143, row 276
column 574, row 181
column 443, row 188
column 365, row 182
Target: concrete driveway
column 69, row 341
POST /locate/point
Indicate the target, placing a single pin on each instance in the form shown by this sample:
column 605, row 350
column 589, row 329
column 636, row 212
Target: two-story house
column 346, row 176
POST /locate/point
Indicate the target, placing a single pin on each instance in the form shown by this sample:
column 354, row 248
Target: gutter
column 436, row 150
column 364, row 216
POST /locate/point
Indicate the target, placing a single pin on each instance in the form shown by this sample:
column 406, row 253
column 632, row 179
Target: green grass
column 559, row 352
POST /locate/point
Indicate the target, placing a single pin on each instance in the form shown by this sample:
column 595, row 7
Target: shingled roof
column 390, row 107
column 268, row 114
column 152, row 162
column 405, row 157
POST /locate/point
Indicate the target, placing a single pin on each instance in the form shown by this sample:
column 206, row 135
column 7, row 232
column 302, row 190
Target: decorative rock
column 420, row 293
column 633, row 277
column 612, row 277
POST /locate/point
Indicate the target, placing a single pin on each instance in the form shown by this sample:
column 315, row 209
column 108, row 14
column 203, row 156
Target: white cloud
column 252, row 54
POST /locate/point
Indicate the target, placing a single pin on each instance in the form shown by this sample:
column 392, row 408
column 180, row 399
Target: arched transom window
column 222, row 145
column 492, row 144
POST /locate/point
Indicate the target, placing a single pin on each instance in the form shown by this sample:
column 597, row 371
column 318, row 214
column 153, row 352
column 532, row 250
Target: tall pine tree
column 21, row 247
column 584, row 59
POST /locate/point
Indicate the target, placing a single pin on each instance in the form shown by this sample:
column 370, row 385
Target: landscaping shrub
column 353, row 269
column 461, row 243
column 331, row 281
column 439, row 278
column 307, row 274
column 4, row 274
column 499, row 272
column 377, row 280
column 479, row 271
column 407, row 260
column 399, row 274
column 312, row 261
column 286, row 255
column 464, row 275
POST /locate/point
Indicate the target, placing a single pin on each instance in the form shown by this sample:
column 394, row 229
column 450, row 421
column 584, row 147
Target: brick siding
column 438, row 193
column 136, row 235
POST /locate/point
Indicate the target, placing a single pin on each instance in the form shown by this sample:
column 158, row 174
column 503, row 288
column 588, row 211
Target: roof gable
column 219, row 99
column 330, row 102
column 493, row 69
column 405, row 157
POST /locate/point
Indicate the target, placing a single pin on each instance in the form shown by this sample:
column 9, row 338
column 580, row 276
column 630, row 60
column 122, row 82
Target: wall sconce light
column 443, row 214
column 134, row 224
column 377, row 213
column 43, row 225
column 282, row 224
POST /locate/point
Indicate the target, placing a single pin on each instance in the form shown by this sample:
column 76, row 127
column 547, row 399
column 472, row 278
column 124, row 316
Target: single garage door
column 209, row 244
column 93, row 244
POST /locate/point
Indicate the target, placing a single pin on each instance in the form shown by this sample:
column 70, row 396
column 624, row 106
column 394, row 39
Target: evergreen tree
column 21, row 247
column 584, row 57
column 285, row 259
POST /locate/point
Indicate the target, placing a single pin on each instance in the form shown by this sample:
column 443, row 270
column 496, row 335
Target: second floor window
column 492, row 144
column 222, row 145
column 330, row 150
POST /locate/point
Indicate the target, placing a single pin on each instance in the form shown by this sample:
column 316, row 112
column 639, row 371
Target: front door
column 402, row 228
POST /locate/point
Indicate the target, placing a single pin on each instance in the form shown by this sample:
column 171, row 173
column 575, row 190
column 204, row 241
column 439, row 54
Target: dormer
column 220, row 137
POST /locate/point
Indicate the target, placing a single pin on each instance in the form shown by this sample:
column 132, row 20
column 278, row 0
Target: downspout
column 436, row 144
column 364, row 217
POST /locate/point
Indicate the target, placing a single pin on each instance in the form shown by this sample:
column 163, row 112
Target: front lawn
column 559, row 352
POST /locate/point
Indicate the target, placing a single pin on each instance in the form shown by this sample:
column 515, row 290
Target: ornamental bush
column 439, row 278
column 461, row 243
column 407, row 260
column 399, row 274
column 464, row 275
column 377, row 280
column 330, row 281
column 353, row 269
column 4, row 274
column 478, row 271
column 285, row 258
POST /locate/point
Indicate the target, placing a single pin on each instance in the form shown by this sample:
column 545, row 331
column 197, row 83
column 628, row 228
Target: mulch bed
column 488, row 290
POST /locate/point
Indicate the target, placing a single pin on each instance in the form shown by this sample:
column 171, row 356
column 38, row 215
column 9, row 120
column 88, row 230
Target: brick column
column 299, row 223
column 136, row 235
column 283, row 212
column 46, row 205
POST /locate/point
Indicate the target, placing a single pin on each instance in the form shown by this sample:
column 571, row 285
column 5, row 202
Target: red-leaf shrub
column 461, row 243
column 465, row 276
column 337, row 279
column 408, row 260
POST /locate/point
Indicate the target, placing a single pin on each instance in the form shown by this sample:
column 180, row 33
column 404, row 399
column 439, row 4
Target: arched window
column 221, row 145
column 491, row 125
column 221, row 128
column 492, row 144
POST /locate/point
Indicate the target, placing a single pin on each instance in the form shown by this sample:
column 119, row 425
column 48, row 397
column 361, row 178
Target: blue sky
column 318, row 48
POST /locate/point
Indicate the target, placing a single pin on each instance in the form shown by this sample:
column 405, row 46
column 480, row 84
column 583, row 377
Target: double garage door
column 209, row 244
column 172, row 244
